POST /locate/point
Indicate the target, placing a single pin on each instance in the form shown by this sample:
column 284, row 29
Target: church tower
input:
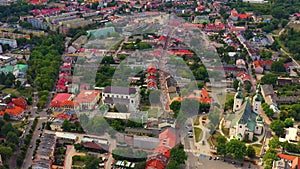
column 257, row 99
column 238, row 98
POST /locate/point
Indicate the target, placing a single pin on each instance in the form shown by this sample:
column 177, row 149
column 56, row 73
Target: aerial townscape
column 149, row 84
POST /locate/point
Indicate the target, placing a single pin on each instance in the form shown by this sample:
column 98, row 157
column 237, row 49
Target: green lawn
column 257, row 148
column 196, row 121
column 198, row 134
column 11, row 91
column 152, row 112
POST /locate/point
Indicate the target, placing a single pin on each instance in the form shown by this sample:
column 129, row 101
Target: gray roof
column 267, row 89
column 109, row 100
column 119, row 90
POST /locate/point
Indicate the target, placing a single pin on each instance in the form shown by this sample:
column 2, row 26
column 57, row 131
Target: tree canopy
column 236, row 149
column 277, row 126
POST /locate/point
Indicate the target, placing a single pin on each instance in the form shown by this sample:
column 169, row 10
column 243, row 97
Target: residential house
column 245, row 122
column 60, row 100
column 15, row 112
column 151, row 77
column 56, row 126
column 61, row 85
column 121, row 95
column 161, row 154
column 66, row 137
column 286, row 162
column 87, row 99
column 95, row 144
column 261, row 65
column 11, row 42
column 290, row 135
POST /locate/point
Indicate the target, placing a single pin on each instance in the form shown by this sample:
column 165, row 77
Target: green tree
column 221, row 140
column 289, row 122
column 274, row 142
column 270, row 156
column 7, row 127
column 235, row 84
column 250, row 151
column 12, row 138
column 107, row 60
column 269, row 79
column 173, row 165
column 277, row 126
column 277, row 66
column 6, row 152
column 175, row 107
column 6, row 117
column 236, row 149
column 178, row 155
column 66, row 126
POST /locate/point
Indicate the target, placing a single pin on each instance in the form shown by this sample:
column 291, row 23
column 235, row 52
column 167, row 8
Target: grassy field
column 295, row 26
column 198, row 134
column 257, row 148
column 153, row 112
column 196, row 121
column 11, row 91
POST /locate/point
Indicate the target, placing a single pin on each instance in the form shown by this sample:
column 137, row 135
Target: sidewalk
column 202, row 149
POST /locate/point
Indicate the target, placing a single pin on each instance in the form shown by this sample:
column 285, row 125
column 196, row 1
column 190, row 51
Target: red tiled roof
column 155, row 164
column 63, row 116
column 262, row 63
column 164, row 38
column 21, row 102
column 181, row 52
column 244, row 16
column 164, row 150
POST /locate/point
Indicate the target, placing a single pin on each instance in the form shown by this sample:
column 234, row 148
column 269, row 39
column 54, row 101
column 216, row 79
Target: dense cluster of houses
column 14, row 107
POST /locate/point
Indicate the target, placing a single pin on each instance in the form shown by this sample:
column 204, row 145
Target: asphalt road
column 28, row 158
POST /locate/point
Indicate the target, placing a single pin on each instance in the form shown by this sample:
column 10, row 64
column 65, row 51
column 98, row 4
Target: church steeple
column 239, row 93
column 257, row 99
column 238, row 98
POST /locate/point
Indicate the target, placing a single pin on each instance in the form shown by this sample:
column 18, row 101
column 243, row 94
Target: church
column 244, row 122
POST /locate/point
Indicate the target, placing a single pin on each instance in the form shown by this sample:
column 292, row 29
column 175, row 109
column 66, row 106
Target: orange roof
column 204, row 93
column 87, row 96
column 14, row 111
column 287, row 157
column 244, row 16
column 262, row 63
column 167, row 138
